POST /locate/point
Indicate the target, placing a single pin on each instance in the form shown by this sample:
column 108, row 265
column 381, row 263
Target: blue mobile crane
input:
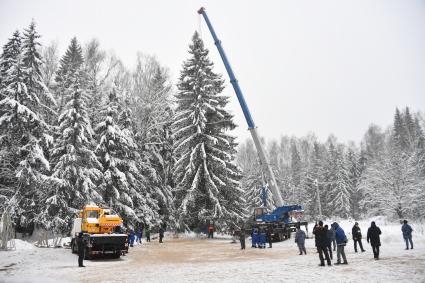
column 283, row 219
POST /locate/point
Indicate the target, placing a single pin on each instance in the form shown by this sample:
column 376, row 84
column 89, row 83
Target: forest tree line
column 83, row 128
column 384, row 175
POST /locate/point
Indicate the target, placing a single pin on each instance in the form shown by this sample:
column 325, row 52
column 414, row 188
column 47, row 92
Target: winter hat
column 405, row 221
column 320, row 223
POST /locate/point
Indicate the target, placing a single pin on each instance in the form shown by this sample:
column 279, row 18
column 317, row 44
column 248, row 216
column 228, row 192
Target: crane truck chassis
column 98, row 227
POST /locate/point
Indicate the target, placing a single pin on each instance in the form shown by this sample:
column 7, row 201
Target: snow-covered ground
column 190, row 259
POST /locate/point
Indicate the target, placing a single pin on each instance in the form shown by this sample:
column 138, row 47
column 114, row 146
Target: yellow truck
column 101, row 232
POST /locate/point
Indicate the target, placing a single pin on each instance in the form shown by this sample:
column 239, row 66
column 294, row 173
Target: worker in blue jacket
column 263, row 238
column 341, row 241
column 131, row 237
column 254, row 237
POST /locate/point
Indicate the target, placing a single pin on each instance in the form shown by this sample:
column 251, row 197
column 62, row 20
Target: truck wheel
column 117, row 254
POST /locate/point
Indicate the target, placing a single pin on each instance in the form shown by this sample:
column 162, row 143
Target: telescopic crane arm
column 277, row 197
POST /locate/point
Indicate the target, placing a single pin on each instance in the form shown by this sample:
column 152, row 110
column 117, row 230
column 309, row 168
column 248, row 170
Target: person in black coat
column 329, row 236
column 81, row 247
column 269, row 235
column 357, row 237
column 322, row 241
column 242, row 238
column 161, row 234
column 373, row 237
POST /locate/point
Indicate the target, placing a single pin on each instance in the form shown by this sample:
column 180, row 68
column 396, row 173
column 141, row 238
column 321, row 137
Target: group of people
column 260, row 236
column 327, row 240
column 136, row 236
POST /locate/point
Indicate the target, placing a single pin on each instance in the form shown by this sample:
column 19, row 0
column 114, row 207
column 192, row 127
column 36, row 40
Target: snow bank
column 23, row 245
column 197, row 236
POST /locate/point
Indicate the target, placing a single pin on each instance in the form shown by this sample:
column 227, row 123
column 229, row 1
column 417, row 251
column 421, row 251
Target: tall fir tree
column 354, row 174
column 340, row 193
column 8, row 147
column 24, row 132
column 207, row 180
column 76, row 166
column 296, row 174
column 70, row 64
column 314, row 183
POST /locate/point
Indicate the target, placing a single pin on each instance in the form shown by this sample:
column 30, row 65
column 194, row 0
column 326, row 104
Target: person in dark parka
column 254, row 238
column 81, row 247
column 357, row 237
column 269, row 235
column 321, row 242
column 263, row 238
column 242, row 238
column 161, row 234
column 148, row 234
column 373, row 237
column 315, row 239
column 407, row 234
column 139, row 235
column 329, row 235
column 333, row 237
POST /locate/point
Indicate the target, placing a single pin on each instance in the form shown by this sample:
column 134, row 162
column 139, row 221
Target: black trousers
column 375, row 250
column 360, row 244
column 242, row 243
column 330, row 251
column 324, row 250
column 80, row 258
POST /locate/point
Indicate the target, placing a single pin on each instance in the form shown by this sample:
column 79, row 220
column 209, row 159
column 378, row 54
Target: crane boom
column 277, row 197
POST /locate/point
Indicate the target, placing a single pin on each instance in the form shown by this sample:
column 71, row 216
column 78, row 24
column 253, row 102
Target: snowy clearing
column 199, row 260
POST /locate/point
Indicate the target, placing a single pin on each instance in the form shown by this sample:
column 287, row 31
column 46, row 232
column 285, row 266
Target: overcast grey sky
column 331, row 66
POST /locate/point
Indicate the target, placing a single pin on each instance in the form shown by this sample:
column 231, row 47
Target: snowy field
column 201, row 260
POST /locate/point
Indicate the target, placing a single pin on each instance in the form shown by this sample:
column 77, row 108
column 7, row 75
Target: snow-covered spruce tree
column 393, row 184
column 135, row 169
column 112, row 151
column 340, row 194
column 296, row 175
column 69, row 65
column 76, row 165
column 11, row 50
column 314, row 182
column 38, row 91
column 154, row 114
column 24, row 133
column 354, row 174
column 337, row 196
column 207, row 180
column 8, row 143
